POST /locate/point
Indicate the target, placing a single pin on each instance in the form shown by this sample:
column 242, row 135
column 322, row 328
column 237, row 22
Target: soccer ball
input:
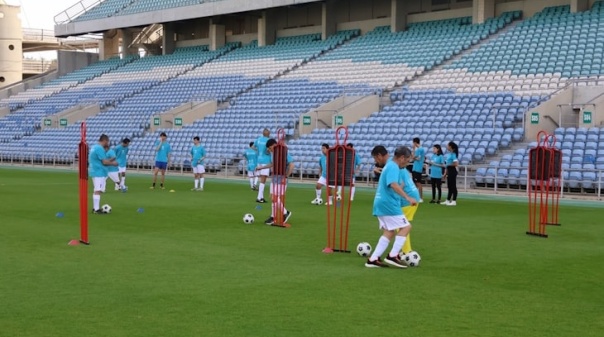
column 412, row 258
column 248, row 219
column 317, row 201
column 124, row 189
column 364, row 249
column 338, row 197
column 106, row 208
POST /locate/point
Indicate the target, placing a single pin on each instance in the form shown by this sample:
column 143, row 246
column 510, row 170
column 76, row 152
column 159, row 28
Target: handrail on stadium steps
column 64, row 16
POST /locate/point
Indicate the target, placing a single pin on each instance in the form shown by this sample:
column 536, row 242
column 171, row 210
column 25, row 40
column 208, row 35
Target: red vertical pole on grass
column 83, row 173
column 279, row 179
column 337, row 168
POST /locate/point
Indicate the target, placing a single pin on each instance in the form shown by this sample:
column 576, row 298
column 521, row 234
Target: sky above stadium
column 40, row 13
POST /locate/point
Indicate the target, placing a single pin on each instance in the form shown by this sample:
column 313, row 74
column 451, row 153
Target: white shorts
column 99, row 183
column 199, row 169
column 264, row 172
column 393, row 222
column 114, row 176
column 251, row 174
column 121, row 169
column 323, row 181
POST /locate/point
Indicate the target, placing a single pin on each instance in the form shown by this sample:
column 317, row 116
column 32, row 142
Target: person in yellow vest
column 409, row 209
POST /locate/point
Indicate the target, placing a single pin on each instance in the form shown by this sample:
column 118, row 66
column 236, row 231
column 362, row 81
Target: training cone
column 258, row 207
column 140, row 210
column 59, row 215
column 327, row 250
column 74, row 242
column 172, row 191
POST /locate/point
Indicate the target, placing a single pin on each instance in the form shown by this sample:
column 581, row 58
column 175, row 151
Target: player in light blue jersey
column 419, row 155
column 264, row 158
column 97, row 169
column 162, row 158
column 198, row 154
column 387, row 206
column 437, row 165
column 278, row 185
column 121, row 152
column 251, row 157
column 323, row 179
column 113, row 171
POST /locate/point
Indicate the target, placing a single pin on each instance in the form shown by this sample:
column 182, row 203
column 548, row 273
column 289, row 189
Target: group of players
column 105, row 162
column 398, row 194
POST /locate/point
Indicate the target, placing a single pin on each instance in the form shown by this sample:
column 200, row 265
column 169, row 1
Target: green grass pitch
column 189, row 266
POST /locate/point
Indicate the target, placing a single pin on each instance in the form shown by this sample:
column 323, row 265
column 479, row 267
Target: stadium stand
column 544, row 63
column 278, row 102
column 104, row 9
column 535, row 57
column 383, row 59
column 127, row 95
column 436, row 117
column 29, row 107
column 140, row 6
column 497, row 71
column 109, row 8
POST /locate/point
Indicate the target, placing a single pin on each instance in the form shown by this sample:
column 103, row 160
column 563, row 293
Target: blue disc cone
column 140, row 210
column 59, row 215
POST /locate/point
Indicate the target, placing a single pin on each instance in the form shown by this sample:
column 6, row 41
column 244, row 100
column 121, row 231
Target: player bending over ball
column 198, row 154
column 112, row 171
column 121, row 152
column 278, row 185
column 251, row 156
column 97, row 169
column 323, row 179
column 264, row 158
column 162, row 158
column 387, row 206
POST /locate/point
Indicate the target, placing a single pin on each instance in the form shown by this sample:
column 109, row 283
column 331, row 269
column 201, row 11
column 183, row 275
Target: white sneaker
column 328, row 203
column 117, row 187
column 446, row 203
column 421, row 200
column 452, row 203
column 317, row 201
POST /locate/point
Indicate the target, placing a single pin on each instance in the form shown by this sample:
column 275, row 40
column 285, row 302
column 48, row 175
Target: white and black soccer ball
column 106, row 208
column 248, row 219
column 317, row 201
column 412, row 258
column 364, row 249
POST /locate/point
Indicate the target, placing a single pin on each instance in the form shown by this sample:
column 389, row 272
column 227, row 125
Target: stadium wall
column 70, row 61
column 27, row 84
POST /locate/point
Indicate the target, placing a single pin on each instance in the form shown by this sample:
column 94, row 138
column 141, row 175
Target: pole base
column 285, row 225
column 341, row 251
column 553, row 224
column 537, row 234
column 328, row 250
column 77, row 242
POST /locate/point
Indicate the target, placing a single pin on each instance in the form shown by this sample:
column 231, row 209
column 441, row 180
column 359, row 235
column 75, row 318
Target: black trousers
column 437, row 184
column 452, row 185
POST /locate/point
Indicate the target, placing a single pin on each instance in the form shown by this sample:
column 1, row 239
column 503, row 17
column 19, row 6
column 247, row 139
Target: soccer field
column 189, row 266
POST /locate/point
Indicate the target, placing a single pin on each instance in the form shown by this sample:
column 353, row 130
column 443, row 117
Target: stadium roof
column 65, row 27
